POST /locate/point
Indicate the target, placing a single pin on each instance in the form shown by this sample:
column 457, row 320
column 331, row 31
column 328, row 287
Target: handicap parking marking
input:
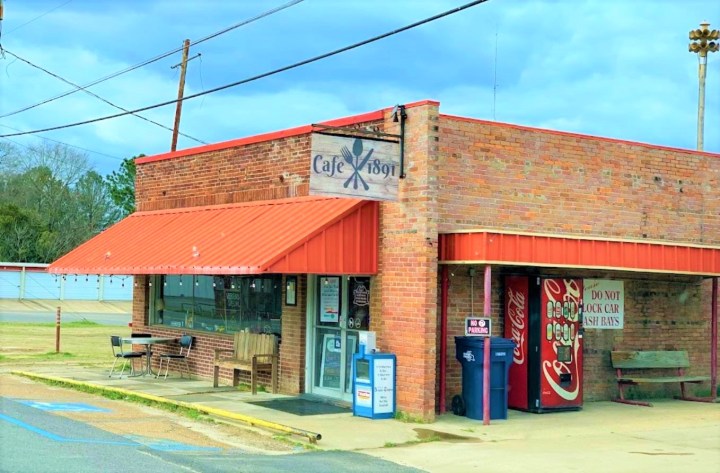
column 62, row 406
column 164, row 445
column 60, row 438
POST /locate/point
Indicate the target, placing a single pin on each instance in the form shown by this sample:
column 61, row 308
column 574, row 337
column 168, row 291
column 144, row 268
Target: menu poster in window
column 330, row 362
column 290, row 290
column 359, row 298
column 233, row 304
column 329, row 299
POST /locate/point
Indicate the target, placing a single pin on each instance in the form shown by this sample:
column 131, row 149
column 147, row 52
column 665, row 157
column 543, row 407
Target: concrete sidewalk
column 673, row 436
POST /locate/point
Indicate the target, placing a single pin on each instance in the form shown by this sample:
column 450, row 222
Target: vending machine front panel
column 560, row 344
column 517, row 325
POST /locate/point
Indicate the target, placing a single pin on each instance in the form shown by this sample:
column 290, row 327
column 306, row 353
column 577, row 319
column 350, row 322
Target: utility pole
column 702, row 43
column 181, row 90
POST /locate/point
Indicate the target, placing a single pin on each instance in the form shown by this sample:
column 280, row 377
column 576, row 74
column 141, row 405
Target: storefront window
column 219, row 303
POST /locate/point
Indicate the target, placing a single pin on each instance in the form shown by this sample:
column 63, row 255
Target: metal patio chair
column 117, row 348
column 185, row 346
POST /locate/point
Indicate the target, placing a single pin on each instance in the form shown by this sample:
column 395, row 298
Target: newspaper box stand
column 374, row 385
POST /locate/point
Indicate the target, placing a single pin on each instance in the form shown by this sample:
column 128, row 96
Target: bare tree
column 64, row 163
column 50, row 202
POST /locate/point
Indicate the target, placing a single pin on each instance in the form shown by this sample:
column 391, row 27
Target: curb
column 312, row 437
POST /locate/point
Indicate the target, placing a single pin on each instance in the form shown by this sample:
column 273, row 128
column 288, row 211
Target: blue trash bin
column 469, row 351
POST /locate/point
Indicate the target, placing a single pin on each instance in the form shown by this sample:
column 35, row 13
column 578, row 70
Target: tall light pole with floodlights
column 702, row 41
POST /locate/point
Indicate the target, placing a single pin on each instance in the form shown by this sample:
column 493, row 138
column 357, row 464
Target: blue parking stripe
column 134, row 440
column 62, row 406
column 58, row 438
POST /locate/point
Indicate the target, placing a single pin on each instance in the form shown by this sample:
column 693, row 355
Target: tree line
column 52, row 200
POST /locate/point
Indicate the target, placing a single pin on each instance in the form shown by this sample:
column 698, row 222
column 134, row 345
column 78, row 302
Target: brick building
column 495, row 198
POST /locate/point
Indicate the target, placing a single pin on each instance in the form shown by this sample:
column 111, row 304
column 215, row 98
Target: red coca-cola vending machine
column 543, row 316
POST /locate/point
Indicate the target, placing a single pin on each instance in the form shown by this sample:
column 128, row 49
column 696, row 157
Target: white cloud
column 611, row 68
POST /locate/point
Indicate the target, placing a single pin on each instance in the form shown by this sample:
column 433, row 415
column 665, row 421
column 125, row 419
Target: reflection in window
column 220, row 303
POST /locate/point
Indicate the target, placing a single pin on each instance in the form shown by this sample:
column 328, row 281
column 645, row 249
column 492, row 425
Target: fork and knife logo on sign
column 357, row 162
column 353, row 166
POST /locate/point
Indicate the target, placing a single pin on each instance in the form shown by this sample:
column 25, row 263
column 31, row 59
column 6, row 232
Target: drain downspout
column 444, row 286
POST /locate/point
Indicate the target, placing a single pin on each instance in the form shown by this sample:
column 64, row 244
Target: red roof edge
column 276, row 135
column 577, row 135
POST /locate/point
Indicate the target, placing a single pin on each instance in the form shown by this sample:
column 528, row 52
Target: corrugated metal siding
column 559, row 251
column 303, row 235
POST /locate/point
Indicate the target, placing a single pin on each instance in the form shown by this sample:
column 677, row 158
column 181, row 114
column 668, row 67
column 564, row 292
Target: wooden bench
column 638, row 361
column 253, row 352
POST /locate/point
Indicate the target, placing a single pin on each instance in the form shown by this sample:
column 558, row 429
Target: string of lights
column 264, row 75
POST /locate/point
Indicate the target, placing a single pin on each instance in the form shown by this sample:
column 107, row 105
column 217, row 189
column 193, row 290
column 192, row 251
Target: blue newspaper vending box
column 374, row 385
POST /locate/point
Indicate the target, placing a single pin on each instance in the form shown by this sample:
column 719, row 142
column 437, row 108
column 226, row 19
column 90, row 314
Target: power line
column 62, row 143
column 266, row 74
column 97, row 96
column 260, row 16
column 38, row 17
column 156, row 58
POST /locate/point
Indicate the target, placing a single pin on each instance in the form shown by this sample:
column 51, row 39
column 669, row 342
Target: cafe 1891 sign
column 354, row 167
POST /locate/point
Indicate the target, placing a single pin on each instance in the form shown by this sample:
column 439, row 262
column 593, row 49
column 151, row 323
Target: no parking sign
column 477, row 327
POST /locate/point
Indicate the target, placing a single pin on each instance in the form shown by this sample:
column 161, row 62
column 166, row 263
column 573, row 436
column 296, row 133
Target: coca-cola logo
column 516, row 314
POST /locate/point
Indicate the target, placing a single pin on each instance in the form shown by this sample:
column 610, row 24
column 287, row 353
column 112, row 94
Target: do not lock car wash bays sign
column 348, row 166
column 604, row 304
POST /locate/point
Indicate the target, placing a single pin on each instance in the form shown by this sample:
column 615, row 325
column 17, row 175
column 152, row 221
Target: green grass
column 110, row 393
column 432, row 438
column 74, row 323
column 81, row 342
column 408, row 418
column 285, row 438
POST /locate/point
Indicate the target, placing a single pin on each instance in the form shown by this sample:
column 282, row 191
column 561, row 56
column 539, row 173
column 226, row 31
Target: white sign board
column 603, row 304
column 329, row 299
column 354, row 167
column 383, row 383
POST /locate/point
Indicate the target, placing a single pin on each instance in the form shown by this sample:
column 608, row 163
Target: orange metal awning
column 526, row 249
column 314, row 235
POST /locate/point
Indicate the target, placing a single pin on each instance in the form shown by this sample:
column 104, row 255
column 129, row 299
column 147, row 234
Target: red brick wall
column 548, row 182
column 292, row 349
column 407, row 320
column 267, row 170
column 461, row 305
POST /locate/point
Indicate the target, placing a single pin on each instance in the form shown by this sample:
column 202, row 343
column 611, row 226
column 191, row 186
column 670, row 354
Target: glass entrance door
column 330, row 343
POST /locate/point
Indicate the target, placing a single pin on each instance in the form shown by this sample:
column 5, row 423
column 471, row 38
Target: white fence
column 28, row 281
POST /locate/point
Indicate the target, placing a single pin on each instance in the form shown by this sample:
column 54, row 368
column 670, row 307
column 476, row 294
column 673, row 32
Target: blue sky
column 612, row 68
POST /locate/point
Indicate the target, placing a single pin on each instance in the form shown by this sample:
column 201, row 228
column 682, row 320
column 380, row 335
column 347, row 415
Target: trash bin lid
column 495, row 342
